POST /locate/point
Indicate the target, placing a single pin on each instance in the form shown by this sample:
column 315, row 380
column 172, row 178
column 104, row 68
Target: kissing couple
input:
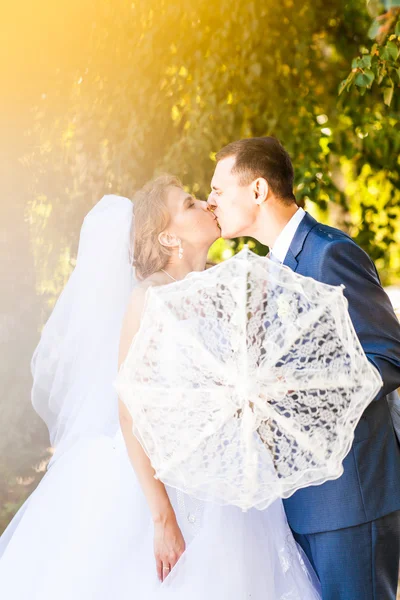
column 97, row 529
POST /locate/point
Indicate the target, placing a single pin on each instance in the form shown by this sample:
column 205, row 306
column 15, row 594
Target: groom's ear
column 260, row 190
column 168, row 240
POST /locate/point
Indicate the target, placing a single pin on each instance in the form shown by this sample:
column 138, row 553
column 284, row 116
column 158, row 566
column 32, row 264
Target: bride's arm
column 168, row 541
column 153, row 489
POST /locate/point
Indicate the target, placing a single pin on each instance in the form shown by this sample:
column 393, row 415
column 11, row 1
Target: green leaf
column 362, row 62
column 365, row 62
column 381, row 74
column 388, row 95
column 374, row 7
column 391, row 4
column 364, row 79
column 397, row 30
column 393, row 50
column 384, row 53
column 390, row 51
column 346, row 83
column 374, row 29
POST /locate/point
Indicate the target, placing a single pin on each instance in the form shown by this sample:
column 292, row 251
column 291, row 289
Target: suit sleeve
column 372, row 314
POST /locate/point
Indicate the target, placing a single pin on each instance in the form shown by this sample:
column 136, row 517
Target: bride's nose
column 201, row 204
column 204, row 205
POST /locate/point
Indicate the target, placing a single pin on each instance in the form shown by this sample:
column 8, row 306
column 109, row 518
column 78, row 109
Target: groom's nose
column 211, row 202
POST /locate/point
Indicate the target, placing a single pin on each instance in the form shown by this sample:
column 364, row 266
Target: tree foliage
column 165, row 85
column 379, row 64
column 148, row 87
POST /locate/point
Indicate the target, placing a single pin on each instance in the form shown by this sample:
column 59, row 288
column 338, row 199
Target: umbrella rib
column 312, row 317
column 148, row 387
column 214, row 361
column 342, row 381
column 301, row 438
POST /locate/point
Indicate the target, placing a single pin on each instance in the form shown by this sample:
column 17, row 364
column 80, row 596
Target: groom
column 350, row 527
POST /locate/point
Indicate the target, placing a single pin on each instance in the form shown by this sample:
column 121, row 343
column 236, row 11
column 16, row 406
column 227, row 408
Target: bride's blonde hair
column 151, row 217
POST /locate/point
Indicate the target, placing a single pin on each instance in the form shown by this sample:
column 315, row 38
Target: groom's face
column 233, row 204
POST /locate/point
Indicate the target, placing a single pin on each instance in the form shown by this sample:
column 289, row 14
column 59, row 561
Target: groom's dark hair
column 262, row 157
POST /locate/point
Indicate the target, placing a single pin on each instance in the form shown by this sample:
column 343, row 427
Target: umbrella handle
column 249, row 422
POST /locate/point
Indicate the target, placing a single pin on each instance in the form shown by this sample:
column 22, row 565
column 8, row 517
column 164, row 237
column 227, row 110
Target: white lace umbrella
column 245, row 382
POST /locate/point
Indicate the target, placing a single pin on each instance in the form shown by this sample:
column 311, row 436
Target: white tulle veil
column 76, row 360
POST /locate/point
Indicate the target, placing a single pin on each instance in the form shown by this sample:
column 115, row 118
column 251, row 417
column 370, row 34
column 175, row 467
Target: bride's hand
column 169, row 544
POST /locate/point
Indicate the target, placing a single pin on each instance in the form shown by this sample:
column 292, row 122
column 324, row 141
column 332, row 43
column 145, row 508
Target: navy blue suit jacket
column 370, row 485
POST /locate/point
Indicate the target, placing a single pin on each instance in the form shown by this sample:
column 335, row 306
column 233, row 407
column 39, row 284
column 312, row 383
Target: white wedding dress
column 86, row 532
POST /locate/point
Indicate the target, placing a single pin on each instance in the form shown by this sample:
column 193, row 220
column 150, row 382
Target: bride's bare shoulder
column 151, row 281
column 133, row 316
column 138, row 296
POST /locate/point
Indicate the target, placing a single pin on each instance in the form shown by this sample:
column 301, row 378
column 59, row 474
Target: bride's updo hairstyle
column 151, row 217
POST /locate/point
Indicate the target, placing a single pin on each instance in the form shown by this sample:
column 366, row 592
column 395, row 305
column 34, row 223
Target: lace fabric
column 246, row 382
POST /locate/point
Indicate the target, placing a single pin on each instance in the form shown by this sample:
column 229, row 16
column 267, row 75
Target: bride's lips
column 214, row 216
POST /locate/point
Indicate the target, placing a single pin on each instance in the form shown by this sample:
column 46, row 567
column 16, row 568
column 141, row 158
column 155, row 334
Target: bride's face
column 191, row 220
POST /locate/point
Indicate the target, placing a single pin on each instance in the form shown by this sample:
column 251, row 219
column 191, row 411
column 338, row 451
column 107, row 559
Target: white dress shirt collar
column 285, row 238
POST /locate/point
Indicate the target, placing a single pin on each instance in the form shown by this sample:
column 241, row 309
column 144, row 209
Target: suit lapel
column 308, row 222
column 290, row 260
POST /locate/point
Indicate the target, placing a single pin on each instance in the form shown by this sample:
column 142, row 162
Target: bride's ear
column 168, row 240
column 260, row 190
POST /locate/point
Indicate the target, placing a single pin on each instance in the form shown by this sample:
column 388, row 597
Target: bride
column 95, row 528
